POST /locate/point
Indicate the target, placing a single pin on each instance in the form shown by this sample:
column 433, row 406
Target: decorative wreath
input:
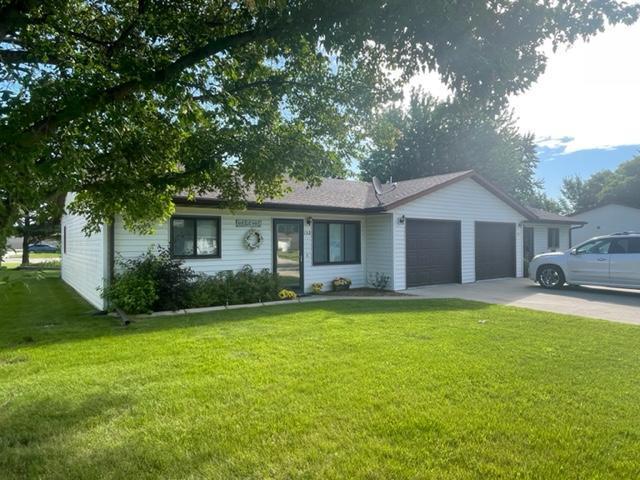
column 253, row 239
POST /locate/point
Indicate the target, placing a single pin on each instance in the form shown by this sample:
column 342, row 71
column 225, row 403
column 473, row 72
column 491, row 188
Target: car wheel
column 550, row 276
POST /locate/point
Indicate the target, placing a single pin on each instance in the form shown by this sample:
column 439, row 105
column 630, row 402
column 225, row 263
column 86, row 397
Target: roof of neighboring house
column 609, row 204
column 352, row 196
column 551, row 217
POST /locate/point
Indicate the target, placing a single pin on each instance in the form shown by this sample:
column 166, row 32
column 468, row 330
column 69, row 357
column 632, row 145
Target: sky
column 584, row 110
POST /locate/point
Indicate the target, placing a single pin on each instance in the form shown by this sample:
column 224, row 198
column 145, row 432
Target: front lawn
column 344, row 389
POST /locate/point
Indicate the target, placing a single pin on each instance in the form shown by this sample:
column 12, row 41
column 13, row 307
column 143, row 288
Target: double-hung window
column 195, row 237
column 336, row 242
column 553, row 238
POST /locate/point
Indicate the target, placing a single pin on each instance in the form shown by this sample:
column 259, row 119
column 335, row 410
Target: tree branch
column 14, row 15
column 48, row 125
column 14, row 57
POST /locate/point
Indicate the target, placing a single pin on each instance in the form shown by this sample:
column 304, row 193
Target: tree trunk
column 25, row 241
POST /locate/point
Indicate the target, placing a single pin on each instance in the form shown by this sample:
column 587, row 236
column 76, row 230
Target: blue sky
column 555, row 164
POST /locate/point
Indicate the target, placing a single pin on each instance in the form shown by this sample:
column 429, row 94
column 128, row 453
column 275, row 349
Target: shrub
column 132, row 293
column 245, row 286
column 153, row 271
column 379, row 281
column 317, row 287
column 155, row 282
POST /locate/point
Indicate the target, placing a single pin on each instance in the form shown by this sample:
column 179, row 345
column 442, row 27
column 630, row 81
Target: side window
column 596, row 247
column 64, row 239
column 634, row 245
column 619, row 245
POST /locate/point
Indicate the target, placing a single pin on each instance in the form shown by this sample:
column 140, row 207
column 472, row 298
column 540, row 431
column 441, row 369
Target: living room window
column 336, row 242
column 195, row 237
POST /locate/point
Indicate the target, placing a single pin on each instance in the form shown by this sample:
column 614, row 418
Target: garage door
column 433, row 252
column 495, row 250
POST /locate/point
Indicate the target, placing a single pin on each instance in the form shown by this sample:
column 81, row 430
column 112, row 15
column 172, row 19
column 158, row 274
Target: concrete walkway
column 604, row 303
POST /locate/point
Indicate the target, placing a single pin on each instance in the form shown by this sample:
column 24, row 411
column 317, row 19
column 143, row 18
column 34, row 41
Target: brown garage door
column 433, row 252
column 495, row 250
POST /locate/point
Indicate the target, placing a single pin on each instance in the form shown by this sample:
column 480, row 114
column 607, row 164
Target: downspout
column 110, row 254
column 571, row 229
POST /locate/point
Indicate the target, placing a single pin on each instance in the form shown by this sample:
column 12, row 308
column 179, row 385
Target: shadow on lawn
column 37, row 437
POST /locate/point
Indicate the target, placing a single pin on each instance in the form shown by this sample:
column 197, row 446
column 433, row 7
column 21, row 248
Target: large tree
column 621, row 185
column 128, row 102
column 431, row 137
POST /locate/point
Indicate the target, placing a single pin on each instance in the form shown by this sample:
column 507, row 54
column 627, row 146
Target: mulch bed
column 367, row 292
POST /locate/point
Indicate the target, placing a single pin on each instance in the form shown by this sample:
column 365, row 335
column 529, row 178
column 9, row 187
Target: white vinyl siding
column 541, row 239
column 467, row 202
column 84, row 265
column 604, row 221
column 235, row 255
column 379, row 239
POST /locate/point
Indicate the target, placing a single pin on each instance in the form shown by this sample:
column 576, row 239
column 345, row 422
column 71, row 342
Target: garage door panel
column 432, row 252
column 495, row 250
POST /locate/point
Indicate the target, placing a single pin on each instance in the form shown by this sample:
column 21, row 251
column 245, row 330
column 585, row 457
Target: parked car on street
column 611, row 261
column 42, row 248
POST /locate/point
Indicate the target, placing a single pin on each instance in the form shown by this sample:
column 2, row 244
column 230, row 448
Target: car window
column 596, row 246
column 619, row 245
column 634, row 245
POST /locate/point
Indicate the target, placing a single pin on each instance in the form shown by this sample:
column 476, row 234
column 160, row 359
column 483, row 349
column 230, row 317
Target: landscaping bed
column 367, row 292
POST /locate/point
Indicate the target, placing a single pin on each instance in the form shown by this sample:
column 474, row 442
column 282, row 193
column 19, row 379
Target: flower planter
column 340, row 288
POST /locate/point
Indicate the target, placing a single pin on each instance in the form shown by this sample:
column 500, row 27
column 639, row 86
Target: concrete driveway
column 595, row 302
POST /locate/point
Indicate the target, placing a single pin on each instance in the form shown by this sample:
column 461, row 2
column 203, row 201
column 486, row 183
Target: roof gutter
column 210, row 202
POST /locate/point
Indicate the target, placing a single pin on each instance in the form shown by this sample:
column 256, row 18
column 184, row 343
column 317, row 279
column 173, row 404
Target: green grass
column 344, row 389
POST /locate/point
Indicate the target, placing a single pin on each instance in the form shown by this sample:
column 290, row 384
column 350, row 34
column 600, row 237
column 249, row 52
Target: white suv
column 611, row 261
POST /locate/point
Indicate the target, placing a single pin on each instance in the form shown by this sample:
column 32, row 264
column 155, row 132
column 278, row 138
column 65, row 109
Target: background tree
column 36, row 226
column 432, row 137
column 129, row 102
column 619, row 186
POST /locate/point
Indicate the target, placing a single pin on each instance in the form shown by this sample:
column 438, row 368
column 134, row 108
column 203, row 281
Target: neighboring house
column 448, row 228
column 604, row 220
column 14, row 243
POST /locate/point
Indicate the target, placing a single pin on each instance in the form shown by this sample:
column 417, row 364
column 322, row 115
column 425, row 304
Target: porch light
column 402, row 219
column 309, row 220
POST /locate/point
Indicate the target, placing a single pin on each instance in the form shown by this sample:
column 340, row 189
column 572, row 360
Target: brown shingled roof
column 544, row 216
column 352, row 196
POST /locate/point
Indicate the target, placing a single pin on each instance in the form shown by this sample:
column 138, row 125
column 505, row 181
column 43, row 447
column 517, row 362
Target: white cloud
column 589, row 93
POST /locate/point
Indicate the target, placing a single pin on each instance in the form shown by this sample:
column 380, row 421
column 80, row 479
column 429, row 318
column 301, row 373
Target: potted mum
column 340, row 284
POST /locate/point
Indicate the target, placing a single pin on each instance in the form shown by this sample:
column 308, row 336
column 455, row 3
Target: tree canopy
column 129, row 102
column 621, row 185
column 431, row 137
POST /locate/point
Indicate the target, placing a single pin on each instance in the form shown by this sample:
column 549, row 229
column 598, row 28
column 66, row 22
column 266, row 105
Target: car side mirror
column 573, row 252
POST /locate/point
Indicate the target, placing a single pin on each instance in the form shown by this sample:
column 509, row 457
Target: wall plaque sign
column 248, row 223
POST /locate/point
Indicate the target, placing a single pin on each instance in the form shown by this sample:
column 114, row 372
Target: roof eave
column 559, row 222
column 210, row 202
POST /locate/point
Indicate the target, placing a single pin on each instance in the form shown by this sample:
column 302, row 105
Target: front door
column 287, row 253
column 529, row 251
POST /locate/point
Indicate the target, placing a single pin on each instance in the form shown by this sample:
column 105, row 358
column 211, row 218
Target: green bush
column 227, row 288
column 155, row 282
column 132, row 293
column 152, row 282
